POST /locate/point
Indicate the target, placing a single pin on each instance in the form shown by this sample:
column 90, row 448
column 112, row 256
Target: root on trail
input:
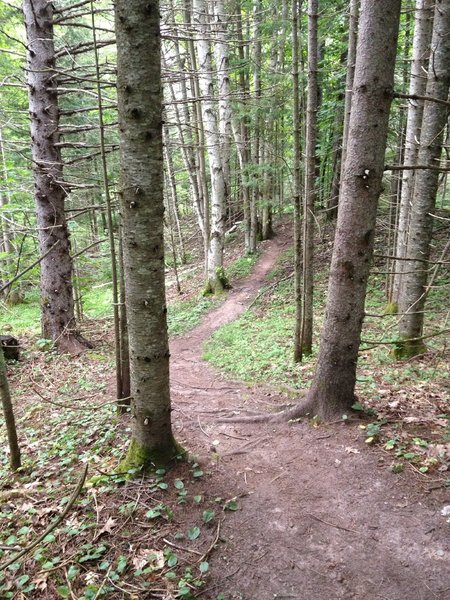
column 311, row 406
column 307, row 407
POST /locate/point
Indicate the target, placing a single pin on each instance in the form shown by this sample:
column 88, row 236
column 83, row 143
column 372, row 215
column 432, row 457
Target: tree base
column 408, row 348
column 73, row 344
column 391, row 309
column 146, row 460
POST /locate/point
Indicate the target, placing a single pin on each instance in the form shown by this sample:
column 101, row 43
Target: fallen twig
column 52, row 526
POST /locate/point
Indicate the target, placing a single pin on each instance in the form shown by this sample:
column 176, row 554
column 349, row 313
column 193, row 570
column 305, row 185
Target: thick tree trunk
column 418, row 83
column 333, row 388
column 141, row 193
column 412, row 293
column 58, row 321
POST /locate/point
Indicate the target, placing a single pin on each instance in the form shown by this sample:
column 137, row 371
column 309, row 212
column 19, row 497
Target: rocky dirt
column 320, row 515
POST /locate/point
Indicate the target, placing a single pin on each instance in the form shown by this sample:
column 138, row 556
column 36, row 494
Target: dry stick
column 216, row 538
column 177, row 547
column 333, row 524
column 53, row 525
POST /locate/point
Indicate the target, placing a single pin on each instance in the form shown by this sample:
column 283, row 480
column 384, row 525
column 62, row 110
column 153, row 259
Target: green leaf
column 153, row 513
column 163, row 486
column 231, row 505
column 22, row 580
column 357, row 406
column 194, row 533
column 63, row 591
column 204, row 567
column 208, row 515
column 172, row 560
column 197, row 499
column 72, row 572
column 122, row 562
column 198, row 473
column 179, row 484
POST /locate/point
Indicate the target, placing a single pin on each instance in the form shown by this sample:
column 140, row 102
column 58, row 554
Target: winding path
column 320, row 515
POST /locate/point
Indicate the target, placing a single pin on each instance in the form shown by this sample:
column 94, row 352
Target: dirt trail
column 320, row 514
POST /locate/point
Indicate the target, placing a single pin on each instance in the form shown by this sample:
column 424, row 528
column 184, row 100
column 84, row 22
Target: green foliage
column 185, row 315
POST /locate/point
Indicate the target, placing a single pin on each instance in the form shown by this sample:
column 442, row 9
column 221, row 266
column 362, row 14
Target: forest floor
column 320, row 513
column 298, row 510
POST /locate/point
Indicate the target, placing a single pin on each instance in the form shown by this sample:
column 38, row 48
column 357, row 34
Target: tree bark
column 58, row 320
column 215, row 276
column 412, row 293
column 141, row 192
column 418, row 83
column 8, row 413
column 297, row 184
column 351, row 62
column 332, row 392
column 310, row 179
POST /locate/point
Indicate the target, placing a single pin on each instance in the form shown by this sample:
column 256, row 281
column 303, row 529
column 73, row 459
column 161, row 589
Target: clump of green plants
column 185, row 315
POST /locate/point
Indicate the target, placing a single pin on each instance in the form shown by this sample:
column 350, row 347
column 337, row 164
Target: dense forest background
column 320, row 126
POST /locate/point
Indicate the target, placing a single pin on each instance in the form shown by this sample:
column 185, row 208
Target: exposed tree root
column 310, row 406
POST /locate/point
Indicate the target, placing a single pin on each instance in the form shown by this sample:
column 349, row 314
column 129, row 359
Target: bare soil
column 320, row 515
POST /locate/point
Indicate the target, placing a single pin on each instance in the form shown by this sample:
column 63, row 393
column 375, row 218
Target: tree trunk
column 141, row 192
column 435, row 115
column 418, row 83
column 58, row 321
column 310, row 179
column 8, row 413
column 297, row 184
column 215, row 276
column 332, row 392
column 351, row 62
column 223, row 75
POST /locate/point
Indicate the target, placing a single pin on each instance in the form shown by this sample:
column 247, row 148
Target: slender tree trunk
column 297, row 185
column 310, row 179
column 223, row 76
column 58, row 320
column 8, row 413
column 215, row 277
column 412, row 293
column 199, row 137
column 141, row 192
column 332, row 392
column 418, row 83
column 109, row 213
column 240, row 129
column 351, row 62
column 256, row 146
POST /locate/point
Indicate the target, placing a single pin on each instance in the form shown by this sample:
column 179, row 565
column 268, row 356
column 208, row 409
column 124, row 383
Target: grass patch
column 258, row 346
column 242, row 267
column 185, row 315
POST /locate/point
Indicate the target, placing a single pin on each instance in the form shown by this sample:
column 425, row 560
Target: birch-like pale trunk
column 435, row 116
column 420, row 56
column 215, row 276
column 139, row 94
column 221, row 51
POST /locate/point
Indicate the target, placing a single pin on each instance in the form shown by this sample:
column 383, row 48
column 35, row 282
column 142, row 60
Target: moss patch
column 140, row 459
